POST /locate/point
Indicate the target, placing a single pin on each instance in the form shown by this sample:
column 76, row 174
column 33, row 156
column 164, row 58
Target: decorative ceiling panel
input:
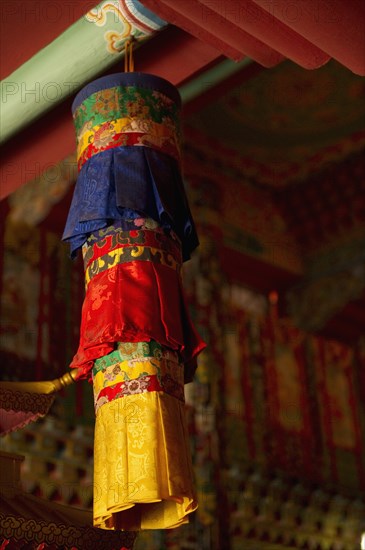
column 286, row 122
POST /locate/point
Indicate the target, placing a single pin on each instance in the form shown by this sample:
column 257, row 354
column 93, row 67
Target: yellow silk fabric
column 143, row 476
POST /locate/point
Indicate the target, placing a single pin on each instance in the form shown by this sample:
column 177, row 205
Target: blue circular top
column 140, row 80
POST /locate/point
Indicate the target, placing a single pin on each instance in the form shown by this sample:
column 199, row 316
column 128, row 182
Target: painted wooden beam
column 85, row 50
column 211, row 78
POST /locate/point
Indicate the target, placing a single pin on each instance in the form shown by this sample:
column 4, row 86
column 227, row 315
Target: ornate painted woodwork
column 93, row 43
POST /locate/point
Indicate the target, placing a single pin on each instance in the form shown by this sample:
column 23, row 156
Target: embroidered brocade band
column 135, row 132
column 126, row 254
column 147, row 367
column 113, row 241
column 83, row 104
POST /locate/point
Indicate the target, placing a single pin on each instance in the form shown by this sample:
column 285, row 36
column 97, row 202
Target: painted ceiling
column 286, row 122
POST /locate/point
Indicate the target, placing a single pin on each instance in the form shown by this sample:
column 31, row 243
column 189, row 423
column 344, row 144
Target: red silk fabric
column 135, row 301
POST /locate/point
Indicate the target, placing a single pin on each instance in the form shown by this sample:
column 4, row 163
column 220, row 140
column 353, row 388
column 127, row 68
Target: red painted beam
column 261, row 25
column 40, row 146
column 337, row 27
column 243, row 27
column 175, row 55
column 211, row 26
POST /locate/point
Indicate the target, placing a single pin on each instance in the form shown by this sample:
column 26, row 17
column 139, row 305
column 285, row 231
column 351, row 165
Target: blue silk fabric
column 125, row 183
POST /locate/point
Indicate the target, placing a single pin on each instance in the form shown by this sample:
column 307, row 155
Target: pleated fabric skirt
column 139, row 346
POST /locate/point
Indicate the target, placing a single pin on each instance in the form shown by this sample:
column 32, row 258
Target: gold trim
column 30, row 530
column 21, row 401
column 45, row 387
column 65, row 380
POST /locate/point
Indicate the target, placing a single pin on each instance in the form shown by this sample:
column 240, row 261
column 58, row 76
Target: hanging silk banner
column 131, row 218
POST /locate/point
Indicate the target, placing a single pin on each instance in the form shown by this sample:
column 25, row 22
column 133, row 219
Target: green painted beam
column 81, row 53
column 211, row 78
